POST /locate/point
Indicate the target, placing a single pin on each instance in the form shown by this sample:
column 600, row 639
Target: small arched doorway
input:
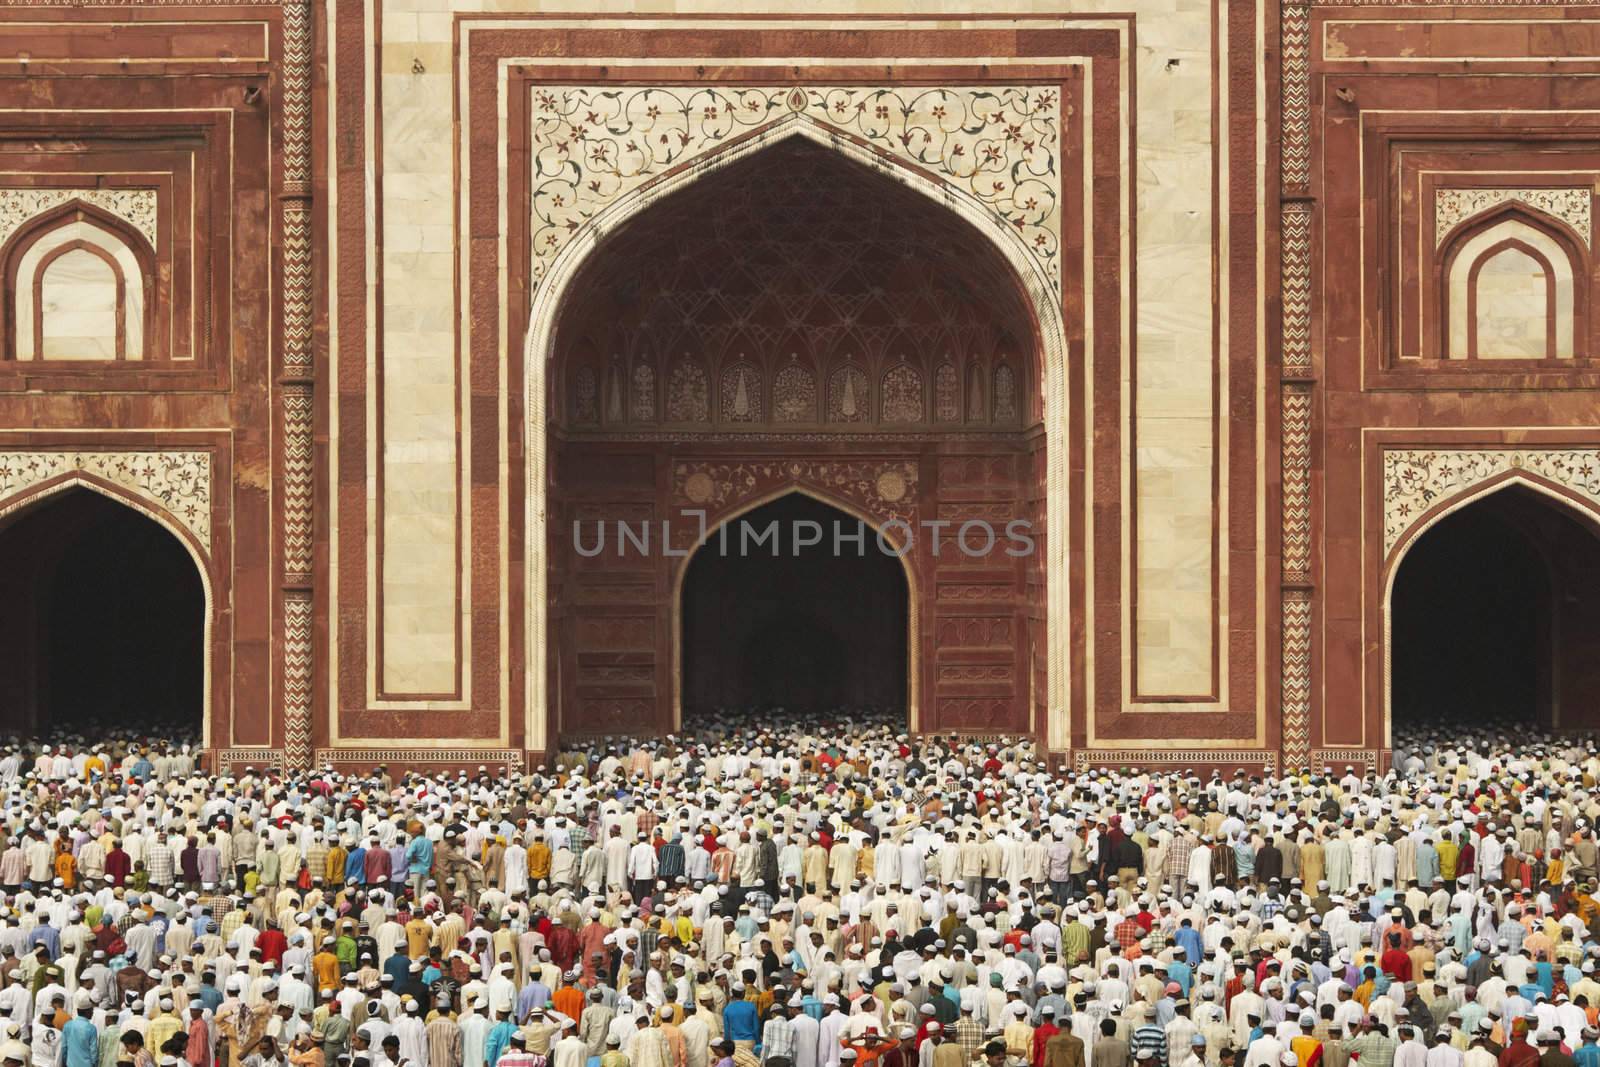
column 769, row 621
column 103, row 624
column 1494, row 618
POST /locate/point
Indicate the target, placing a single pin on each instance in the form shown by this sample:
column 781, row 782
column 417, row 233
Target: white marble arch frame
column 1559, row 496
column 1475, row 249
column 30, row 496
column 132, row 309
column 1043, row 297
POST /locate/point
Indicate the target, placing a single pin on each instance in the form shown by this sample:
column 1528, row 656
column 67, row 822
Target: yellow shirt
column 160, row 1030
column 538, row 860
column 333, row 875
column 1449, row 853
column 325, row 966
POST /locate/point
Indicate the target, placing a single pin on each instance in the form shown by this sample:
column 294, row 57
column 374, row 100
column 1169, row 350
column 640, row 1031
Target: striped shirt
column 1151, row 1037
column 444, row 1042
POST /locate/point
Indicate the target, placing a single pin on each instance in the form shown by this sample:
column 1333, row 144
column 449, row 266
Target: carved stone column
column 296, row 379
column 1297, row 216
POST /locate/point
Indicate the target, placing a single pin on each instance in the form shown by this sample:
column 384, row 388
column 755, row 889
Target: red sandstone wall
column 185, row 101
column 1403, row 103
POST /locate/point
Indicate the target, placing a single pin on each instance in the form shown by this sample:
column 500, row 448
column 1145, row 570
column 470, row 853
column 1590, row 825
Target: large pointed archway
column 796, row 318
column 104, row 622
column 1494, row 616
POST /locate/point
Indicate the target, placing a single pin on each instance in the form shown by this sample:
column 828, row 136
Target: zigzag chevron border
column 1295, row 85
column 1296, row 280
column 297, row 314
column 1296, row 691
column 1296, row 453
column 297, row 676
column 299, row 478
column 1297, row 221
column 298, row 521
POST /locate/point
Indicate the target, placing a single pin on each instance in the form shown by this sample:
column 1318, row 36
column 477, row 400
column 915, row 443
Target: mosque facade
column 1184, row 325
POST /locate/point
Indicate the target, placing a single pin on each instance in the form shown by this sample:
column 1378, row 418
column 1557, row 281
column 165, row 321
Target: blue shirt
column 419, row 855
column 1427, row 863
column 533, row 995
column 1193, row 948
column 1544, row 978
column 47, row 936
column 499, row 1039
column 740, row 1022
column 398, row 967
column 80, row 1044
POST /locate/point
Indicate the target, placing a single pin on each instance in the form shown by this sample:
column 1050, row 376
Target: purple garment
column 210, row 863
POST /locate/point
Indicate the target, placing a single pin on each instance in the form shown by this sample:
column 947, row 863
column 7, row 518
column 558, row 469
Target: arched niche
column 80, row 285
column 1513, row 287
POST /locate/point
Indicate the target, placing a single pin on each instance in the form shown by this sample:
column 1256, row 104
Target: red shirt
column 1396, row 964
column 1042, row 1033
column 1519, row 1054
column 272, row 944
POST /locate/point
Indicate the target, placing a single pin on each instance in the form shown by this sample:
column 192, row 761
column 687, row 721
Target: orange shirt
column 66, row 869
column 325, row 966
column 568, row 1000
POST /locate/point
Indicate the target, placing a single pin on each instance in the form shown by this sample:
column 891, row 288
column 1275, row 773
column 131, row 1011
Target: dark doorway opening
column 814, row 629
column 1495, row 619
column 102, row 623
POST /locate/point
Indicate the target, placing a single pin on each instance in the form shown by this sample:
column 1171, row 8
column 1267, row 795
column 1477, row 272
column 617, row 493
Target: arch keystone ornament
column 177, row 482
column 1452, row 207
column 1417, row 481
column 136, row 207
column 592, row 145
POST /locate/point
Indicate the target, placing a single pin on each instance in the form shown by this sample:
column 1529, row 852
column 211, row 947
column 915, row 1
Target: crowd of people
column 802, row 893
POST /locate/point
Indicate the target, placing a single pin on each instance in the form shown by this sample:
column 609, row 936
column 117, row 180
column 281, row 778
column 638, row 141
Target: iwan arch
column 1190, row 289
